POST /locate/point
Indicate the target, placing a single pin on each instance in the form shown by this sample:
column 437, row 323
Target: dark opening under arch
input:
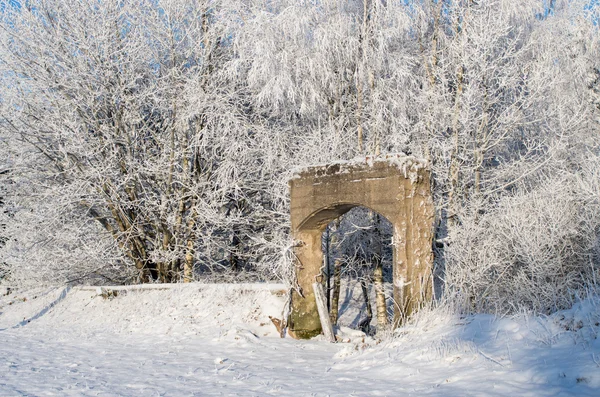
column 357, row 270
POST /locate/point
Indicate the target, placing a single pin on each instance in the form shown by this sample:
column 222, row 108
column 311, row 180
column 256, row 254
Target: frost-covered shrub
column 54, row 245
column 533, row 251
column 361, row 238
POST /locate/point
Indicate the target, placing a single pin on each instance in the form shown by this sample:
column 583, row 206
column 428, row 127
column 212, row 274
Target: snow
column 211, row 340
column 409, row 166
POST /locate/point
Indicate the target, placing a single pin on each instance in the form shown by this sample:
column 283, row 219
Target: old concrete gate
column 396, row 187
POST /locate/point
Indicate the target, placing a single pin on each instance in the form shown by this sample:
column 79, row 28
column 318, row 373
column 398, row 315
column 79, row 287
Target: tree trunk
column 380, row 301
column 365, row 324
column 335, row 296
column 337, row 272
column 327, row 270
column 454, row 157
column 382, row 320
column 188, row 265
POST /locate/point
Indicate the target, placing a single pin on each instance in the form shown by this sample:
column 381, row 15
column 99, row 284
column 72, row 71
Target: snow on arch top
column 409, row 166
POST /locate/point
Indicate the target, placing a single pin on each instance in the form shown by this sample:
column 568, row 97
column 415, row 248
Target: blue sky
column 9, row 3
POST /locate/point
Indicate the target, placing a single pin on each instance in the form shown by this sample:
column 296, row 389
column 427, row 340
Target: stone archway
column 395, row 186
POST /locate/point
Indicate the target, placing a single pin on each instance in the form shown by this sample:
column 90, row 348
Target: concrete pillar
column 304, row 318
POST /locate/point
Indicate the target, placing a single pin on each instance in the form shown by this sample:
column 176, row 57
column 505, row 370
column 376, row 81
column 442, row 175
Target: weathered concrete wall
column 396, row 187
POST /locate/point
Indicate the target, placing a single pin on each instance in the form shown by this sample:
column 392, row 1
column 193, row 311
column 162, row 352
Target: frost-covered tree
column 4, row 217
column 339, row 71
column 519, row 237
column 158, row 136
column 139, row 126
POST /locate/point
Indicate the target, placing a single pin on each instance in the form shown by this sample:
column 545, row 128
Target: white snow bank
column 524, row 355
column 217, row 340
column 176, row 309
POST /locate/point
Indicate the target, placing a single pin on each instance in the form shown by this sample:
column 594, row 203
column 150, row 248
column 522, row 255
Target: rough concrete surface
column 398, row 188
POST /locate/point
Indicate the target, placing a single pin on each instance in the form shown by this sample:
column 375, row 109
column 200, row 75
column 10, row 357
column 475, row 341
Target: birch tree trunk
column 337, row 274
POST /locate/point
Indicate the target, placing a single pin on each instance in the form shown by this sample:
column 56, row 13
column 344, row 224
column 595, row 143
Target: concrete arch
column 321, row 218
column 398, row 188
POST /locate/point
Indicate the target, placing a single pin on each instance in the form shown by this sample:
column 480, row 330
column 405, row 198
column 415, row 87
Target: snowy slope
column 210, row 340
column 174, row 310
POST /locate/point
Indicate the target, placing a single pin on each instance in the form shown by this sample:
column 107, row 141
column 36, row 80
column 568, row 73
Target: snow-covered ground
column 207, row 340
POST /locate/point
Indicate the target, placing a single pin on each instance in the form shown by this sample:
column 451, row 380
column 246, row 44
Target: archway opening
column 358, row 270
